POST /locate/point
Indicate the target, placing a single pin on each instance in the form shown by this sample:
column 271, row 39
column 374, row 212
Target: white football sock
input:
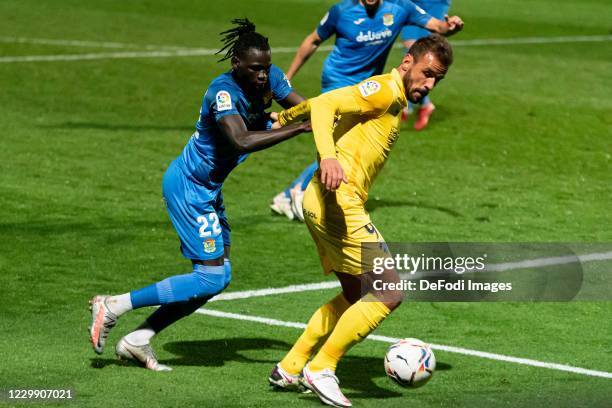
column 141, row 336
column 119, row 304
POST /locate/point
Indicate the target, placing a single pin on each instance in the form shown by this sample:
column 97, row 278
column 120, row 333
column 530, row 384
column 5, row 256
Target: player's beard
column 422, row 93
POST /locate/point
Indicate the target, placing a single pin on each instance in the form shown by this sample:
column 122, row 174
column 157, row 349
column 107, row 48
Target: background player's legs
column 281, row 203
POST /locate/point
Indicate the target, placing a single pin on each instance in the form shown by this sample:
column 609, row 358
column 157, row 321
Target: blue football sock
column 170, row 313
column 425, row 101
column 204, row 281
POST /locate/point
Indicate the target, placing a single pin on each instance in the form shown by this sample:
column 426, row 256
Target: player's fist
column 274, row 118
column 332, row 174
column 455, row 24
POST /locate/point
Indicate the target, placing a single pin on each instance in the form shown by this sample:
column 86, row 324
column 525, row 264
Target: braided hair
column 238, row 40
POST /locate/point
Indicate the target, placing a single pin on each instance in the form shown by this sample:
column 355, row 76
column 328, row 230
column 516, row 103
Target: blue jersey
column 209, row 156
column 426, row 4
column 435, row 8
column 362, row 42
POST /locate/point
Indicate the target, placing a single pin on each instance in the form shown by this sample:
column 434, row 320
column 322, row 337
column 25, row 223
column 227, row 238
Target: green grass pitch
column 518, row 150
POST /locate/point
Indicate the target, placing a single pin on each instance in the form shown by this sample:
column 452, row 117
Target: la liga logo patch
column 224, row 101
column 368, row 88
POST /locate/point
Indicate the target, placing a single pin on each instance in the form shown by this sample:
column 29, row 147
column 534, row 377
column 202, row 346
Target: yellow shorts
column 339, row 225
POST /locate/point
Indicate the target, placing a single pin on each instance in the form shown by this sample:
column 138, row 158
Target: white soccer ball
column 410, row 362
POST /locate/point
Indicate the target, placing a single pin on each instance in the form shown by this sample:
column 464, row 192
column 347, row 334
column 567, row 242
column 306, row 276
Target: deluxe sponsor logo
column 374, row 35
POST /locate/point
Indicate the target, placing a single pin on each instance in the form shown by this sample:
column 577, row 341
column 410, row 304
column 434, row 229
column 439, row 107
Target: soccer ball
column 410, row 363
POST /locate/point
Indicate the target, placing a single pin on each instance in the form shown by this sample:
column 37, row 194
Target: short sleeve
column 279, row 83
column 221, row 101
column 327, row 26
column 415, row 15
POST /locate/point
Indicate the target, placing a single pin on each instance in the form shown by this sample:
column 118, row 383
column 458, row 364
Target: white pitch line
column 507, row 266
column 82, row 43
column 441, row 347
column 170, row 52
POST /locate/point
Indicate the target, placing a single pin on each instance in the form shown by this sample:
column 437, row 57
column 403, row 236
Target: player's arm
column 369, row 100
column 326, row 28
column 448, row 26
column 246, row 141
column 304, row 52
column 292, row 99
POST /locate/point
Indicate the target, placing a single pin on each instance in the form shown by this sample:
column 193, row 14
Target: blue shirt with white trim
column 209, row 156
column 363, row 42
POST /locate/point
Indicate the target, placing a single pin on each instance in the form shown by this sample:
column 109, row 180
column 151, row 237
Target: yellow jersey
column 357, row 125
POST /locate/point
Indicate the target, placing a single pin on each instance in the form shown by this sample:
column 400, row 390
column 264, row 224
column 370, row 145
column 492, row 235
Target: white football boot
column 281, row 205
column 142, row 355
column 102, row 321
column 326, row 385
column 281, row 379
column 297, row 200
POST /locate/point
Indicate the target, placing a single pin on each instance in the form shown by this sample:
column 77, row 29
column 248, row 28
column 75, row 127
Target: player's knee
column 228, row 272
column 211, row 279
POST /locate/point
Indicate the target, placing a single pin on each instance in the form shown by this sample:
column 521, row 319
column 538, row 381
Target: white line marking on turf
column 81, row 43
column 449, row 349
column 171, row 52
column 507, row 266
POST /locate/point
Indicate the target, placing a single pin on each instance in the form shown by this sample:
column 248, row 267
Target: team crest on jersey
column 368, row 88
column 224, row 101
column 209, row 246
column 388, row 20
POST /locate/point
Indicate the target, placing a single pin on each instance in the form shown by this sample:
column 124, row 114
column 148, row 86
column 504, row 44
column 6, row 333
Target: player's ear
column 235, row 62
column 407, row 61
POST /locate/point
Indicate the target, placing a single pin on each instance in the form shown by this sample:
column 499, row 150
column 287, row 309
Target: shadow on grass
column 358, row 374
column 372, row 205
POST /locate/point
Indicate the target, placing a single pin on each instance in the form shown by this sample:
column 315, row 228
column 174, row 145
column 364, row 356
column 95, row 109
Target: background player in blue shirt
column 232, row 123
column 411, row 33
column 365, row 31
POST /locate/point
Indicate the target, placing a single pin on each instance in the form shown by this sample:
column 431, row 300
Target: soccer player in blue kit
column 411, row 33
column 232, row 123
column 365, row 31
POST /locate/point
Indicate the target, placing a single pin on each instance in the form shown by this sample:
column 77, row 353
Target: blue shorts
column 412, row 32
column 197, row 214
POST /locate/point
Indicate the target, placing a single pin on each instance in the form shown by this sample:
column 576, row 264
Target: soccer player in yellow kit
column 354, row 130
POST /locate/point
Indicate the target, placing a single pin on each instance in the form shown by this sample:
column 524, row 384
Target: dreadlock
column 238, row 40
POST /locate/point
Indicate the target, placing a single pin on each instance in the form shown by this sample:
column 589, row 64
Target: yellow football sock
column 319, row 327
column 355, row 324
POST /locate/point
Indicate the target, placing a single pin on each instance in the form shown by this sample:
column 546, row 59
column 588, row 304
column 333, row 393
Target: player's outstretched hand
column 274, row 118
column 332, row 174
column 455, row 24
